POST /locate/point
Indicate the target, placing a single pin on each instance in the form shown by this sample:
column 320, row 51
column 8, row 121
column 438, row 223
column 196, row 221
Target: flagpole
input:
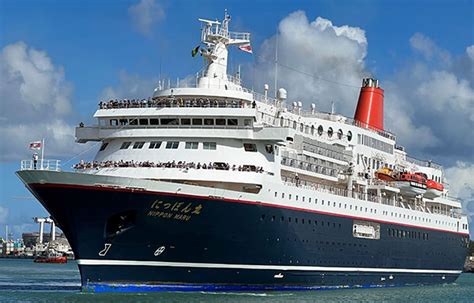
column 42, row 153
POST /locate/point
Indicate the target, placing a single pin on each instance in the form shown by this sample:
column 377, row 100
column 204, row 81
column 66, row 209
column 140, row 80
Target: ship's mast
column 216, row 38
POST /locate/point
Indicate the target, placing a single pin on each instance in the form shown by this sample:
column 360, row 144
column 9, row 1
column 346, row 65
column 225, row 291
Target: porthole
column 320, row 130
column 339, row 134
column 330, row 132
column 349, row 136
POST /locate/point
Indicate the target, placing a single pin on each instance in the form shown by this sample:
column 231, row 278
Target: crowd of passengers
column 156, row 102
column 169, row 164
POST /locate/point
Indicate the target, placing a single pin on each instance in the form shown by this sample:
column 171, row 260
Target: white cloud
column 35, row 103
column 145, row 14
column 436, row 98
column 425, row 46
column 317, row 48
column 3, row 214
column 130, row 86
column 460, row 178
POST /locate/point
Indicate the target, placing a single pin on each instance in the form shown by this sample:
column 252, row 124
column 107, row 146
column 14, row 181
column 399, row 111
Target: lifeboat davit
column 411, row 184
column 385, row 174
column 433, row 189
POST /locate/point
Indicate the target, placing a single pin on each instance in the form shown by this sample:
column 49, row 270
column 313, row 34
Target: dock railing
column 54, row 165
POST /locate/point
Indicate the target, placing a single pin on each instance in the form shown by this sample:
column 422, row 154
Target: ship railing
column 45, row 164
column 171, row 101
column 239, row 36
column 359, row 195
column 318, row 167
column 170, row 126
column 423, row 163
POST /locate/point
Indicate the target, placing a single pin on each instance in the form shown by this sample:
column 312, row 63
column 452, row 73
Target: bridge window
column 168, row 121
column 113, row 122
column 185, row 121
column 123, row 121
column 197, row 121
column 138, row 145
column 209, row 145
column 133, row 122
column 172, row 144
column 103, row 146
column 191, row 145
column 232, row 122
column 125, row 145
column 220, row 121
column 154, row 145
column 208, row 121
column 143, row 121
column 249, row 147
column 154, row 121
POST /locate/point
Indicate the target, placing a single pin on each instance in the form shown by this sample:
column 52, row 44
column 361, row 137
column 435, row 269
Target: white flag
column 35, row 145
column 246, row 48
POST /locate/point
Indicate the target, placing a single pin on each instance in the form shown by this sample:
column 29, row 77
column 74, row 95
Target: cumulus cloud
column 3, row 214
column 131, row 87
column 426, row 47
column 145, row 14
column 35, row 103
column 323, row 55
column 460, row 178
column 430, row 105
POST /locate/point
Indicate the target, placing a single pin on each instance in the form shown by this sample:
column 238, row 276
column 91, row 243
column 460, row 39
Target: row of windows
column 320, row 130
column 178, row 121
column 169, row 145
column 328, row 203
column 249, row 147
column 362, row 209
column 301, row 221
column 406, row 234
column 374, row 143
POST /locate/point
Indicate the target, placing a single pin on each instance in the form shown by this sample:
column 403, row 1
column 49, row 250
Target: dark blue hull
column 128, row 240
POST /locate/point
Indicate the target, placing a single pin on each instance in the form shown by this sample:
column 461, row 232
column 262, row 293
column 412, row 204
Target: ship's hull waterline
column 131, row 239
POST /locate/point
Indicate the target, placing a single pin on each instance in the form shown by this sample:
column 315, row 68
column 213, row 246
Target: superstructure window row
column 169, row 145
column 375, row 143
column 176, row 121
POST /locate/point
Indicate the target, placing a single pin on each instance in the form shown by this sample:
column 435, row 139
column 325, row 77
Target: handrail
column 356, row 195
column 51, row 165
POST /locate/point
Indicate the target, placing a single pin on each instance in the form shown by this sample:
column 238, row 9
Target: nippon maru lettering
column 211, row 186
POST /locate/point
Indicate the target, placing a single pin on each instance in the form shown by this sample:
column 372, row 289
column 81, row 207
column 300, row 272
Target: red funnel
column 369, row 112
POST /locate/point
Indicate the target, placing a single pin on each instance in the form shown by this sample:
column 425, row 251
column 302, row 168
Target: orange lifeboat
column 433, row 189
column 385, row 174
column 411, row 184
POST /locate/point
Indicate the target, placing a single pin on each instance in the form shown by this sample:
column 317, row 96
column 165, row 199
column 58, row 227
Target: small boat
column 433, row 189
column 50, row 256
column 411, row 184
column 385, row 174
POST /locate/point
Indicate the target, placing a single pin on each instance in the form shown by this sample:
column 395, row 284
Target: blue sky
column 87, row 50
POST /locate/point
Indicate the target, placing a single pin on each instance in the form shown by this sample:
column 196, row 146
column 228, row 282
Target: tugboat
column 51, row 256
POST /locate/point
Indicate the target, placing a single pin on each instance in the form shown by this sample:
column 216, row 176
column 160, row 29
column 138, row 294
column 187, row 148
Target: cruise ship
column 209, row 186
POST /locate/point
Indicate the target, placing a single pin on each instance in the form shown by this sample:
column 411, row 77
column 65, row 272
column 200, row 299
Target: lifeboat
column 411, row 184
column 433, row 189
column 385, row 174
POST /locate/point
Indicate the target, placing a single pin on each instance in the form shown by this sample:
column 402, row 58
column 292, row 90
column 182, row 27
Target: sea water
column 21, row 280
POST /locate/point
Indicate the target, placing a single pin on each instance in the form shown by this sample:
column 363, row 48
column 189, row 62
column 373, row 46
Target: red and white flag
column 246, row 48
column 35, row 145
